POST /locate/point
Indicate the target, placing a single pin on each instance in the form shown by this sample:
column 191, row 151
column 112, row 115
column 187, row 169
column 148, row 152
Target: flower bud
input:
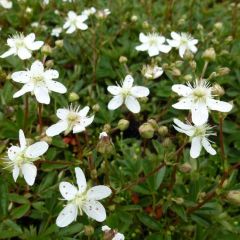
column 123, row 59
column 112, row 207
column 88, row 230
column 96, row 108
column 123, row 124
column 106, row 128
column 46, row 49
column 217, row 90
column 167, row 142
column 178, row 200
column 153, row 123
column 223, row 71
column 187, row 78
column 146, row 130
column 229, row 39
column 185, row 168
column 105, row 145
column 47, row 139
column 94, row 174
column 176, row 72
column 212, row 75
column 49, row 63
column 134, row 18
column 72, row 97
column 193, row 65
column 188, row 55
column 218, row 26
column 179, row 63
column 163, row 131
column 145, row 24
column 233, row 196
column 59, row 43
column 199, row 26
column 209, row 55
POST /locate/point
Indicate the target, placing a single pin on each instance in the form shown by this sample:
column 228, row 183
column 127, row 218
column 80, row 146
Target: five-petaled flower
column 183, row 42
column 22, row 46
column 198, row 137
column 72, row 119
column 153, row 43
column 38, row 82
column 75, row 22
column 6, row 4
column 199, row 99
column 82, row 200
column 128, row 94
column 21, row 158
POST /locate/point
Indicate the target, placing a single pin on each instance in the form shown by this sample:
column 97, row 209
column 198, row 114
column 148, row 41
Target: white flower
column 152, row 72
column 75, row 22
column 35, row 24
column 116, row 235
column 199, row 100
column 89, row 11
column 103, row 13
column 21, row 158
column 6, row 4
column 128, row 94
column 198, row 136
column 39, row 82
column 183, row 42
column 82, row 200
column 153, row 43
column 56, row 31
column 22, row 46
column 72, row 119
column 102, row 135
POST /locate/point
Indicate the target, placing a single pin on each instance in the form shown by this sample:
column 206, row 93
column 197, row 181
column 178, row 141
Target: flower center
column 200, row 94
column 38, row 79
column 200, row 131
column 152, row 41
column 19, row 43
column 73, row 117
column 79, row 200
column 125, row 92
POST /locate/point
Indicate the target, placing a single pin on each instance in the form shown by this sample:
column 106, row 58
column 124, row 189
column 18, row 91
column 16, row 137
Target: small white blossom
column 6, row 4
column 75, row 22
column 127, row 94
column 38, row 82
column 21, row 158
column 82, row 200
column 22, row 46
column 183, row 42
column 35, row 24
column 56, row 31
column 198, row 136
column 153, row 43
column 89, row 11
column 72, row 119
column 116, row 235
column 103, row 13
column 102, row 135
column 199, row 100
column 152, row 72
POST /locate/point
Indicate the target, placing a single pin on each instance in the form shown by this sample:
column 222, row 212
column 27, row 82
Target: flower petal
column 196, row 147
column 82, row 26
column 175, row 36
column 153, row 51
column 128, row 81
column 132, row 104
column 8, row 53
column 181, row 90
column 56, row 86
column 22, row 139
column 173, row 43
column 67, row 190
column 28, row 87
column 37, row 67
column 199, row 113
column 219, row 105
column 42, row 95
column 37, row 149
column 21, row 77
column 24, row 53
column 95, row 210
column 142, row 47
column 183, row 104
column 87, row 121
column 51, row 74
column 114, row 90
column 164, row 48
column 182, row 125
column 35, row 45
column 81, row 180
column 71, row 29
column 182, row 50
column 13, row 151
column 62, row 113
column 143, row 38
column 207, row 146
column 15, row 172
column 187, row 132
column 57, row 128
column 115, row 102
column 98, row 192
column 83, row 112
column 29, row 172
column 67, row 215
column 138, row 91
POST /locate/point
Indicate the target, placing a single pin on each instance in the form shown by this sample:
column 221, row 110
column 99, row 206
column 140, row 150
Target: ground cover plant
column 119, row 119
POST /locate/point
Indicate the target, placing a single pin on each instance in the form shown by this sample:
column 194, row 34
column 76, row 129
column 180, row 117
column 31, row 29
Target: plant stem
column 40, row 122
column 79, row 148
column 204, row 70
column 26, row 111
column 106, row 180
column 224, row 159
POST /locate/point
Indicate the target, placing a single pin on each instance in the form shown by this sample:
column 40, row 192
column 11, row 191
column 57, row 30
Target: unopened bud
column 134, row 18
column 72, row 97
column 188, row 55
column 188, row 78
column 145, row 24
column 212, row 75
column 185, row 168
column 229, row 39
column 153, row 123
column 59, row 43
column 123, row 59
column 193, row 64
column 233, row 196
column 223, row 71
column 209, row 55
column 217, row 90
column 105, row 145
column 218, row 26
column 176, row 72
column 96, row 108
column 47, row 139
column 49, row 63
column 167, row 142
column 123, row 124
column 199, row 26
column 106, row 128
column 46, row 49
column 88, row 230
column 163, row 131
column 146, row 130
column 94, row 174
column 178, row 200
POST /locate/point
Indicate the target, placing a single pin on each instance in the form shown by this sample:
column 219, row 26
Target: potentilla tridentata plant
column 82, row 199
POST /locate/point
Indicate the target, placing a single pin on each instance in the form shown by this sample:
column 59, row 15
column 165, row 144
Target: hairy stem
column 40, row 122
column 204, row 70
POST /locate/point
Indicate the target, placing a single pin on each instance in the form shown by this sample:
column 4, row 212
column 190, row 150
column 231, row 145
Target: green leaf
column 159, row 177
column 20, row 211
column 3, row 197
column 180, row 211
column 149, row 221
